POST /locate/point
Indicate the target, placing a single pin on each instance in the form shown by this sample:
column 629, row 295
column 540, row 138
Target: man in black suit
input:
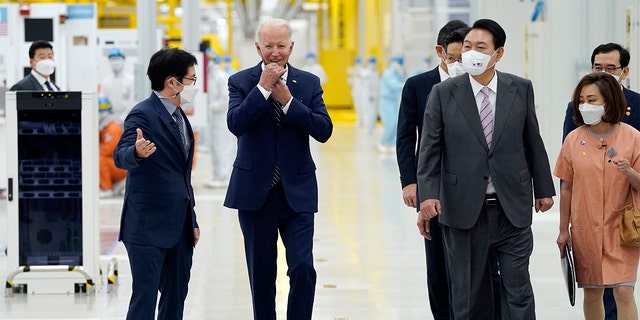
column 412, row 105
column 42, row 66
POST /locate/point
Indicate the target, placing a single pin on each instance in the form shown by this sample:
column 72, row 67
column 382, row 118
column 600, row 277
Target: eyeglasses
column 609, row 69
column 451, row 59
column 192, row 79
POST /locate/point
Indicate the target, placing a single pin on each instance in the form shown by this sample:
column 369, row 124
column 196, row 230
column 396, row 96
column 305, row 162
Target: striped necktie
column 486, row 117
column 177, row 116
column 277, row 107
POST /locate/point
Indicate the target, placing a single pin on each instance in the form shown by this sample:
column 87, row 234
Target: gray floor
column 369, row 255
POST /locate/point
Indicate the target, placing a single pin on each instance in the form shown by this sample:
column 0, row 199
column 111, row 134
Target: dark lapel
column 167, row 120
column 504, row 101
column 463, row 95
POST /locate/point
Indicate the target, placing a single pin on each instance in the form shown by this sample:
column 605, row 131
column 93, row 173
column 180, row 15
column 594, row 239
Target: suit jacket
column 158, row 194
column 261, row 142
column 632, row 118
column 455, row 162
column 30, row 83
column 412, row 105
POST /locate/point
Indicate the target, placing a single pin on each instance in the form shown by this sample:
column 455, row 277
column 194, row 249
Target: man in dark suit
column 480, row 156
column 414, row 99
column 614, row 59
column 158, row 225
column 42, row 66
column 273, row 109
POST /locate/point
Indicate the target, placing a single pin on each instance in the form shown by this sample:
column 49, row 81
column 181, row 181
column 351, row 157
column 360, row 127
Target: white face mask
column 117, row 63
column 591, row 114
column 455, row 69
column 188, row 93
column 617, row 77
column 475, row 63
column 46, row 67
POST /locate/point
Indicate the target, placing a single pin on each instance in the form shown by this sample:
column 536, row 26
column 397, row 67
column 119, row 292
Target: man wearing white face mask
column 410, row 117
column 42, row 66
column 613, row 59
column 480, row 161
column 158, row 225
column 118, row 87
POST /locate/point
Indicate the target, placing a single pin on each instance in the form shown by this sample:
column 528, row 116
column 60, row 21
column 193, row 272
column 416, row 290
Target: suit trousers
column 260, row 230
column 165, row 269
column 437, row 277
column 468, row 253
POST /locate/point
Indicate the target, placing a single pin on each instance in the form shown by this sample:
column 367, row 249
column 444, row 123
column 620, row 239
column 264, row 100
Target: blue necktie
column 48, row 85
column 177, row 116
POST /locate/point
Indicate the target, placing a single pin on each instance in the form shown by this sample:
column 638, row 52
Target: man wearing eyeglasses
column 613, row 59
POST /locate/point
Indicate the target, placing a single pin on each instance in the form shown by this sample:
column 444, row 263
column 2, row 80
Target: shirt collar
column 477, row 86
column 40, row 78
column 166, row 103
column 443, row 75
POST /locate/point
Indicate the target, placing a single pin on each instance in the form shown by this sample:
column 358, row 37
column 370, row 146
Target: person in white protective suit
column 354, row 78
column 371, row 95
column 118, row 87
column 314, row 67
column 391, row 84
column 222, row 143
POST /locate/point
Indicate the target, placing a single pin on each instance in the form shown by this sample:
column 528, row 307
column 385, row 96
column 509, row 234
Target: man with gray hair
column 273, row 110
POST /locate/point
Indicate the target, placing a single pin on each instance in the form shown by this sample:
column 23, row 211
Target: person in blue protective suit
column 226, row 65
column 390, row 89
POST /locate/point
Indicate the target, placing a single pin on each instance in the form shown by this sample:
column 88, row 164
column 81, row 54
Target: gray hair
column 274, row 23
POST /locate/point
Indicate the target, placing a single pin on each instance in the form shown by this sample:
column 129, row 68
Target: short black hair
column 499, row 36
column 455, row 36
column 448, row 28
column 608, row 47
column 169, row 62
column 38, row 44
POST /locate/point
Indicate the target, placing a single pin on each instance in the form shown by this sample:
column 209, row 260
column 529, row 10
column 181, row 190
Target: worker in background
column 354, row 78
column 226, row 65
column 371, row 94
column 390, row 89
column 222, row 143
column 118, row 86
column 314, row 67
column 112, row 178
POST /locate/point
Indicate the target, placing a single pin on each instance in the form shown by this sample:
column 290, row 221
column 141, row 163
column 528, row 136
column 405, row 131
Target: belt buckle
column 491, row 200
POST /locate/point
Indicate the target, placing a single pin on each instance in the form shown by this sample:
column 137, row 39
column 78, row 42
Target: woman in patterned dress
column 599, row 165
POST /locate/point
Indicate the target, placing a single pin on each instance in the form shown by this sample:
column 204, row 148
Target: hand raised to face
column 271, row 73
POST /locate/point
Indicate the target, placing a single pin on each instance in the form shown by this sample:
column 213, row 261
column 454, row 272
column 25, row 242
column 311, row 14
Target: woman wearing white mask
column 599, row 165
column 42, row 66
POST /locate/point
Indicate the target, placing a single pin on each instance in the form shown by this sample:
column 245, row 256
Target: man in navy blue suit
column 273, row 110
column 158, row 225
column 614, row 59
